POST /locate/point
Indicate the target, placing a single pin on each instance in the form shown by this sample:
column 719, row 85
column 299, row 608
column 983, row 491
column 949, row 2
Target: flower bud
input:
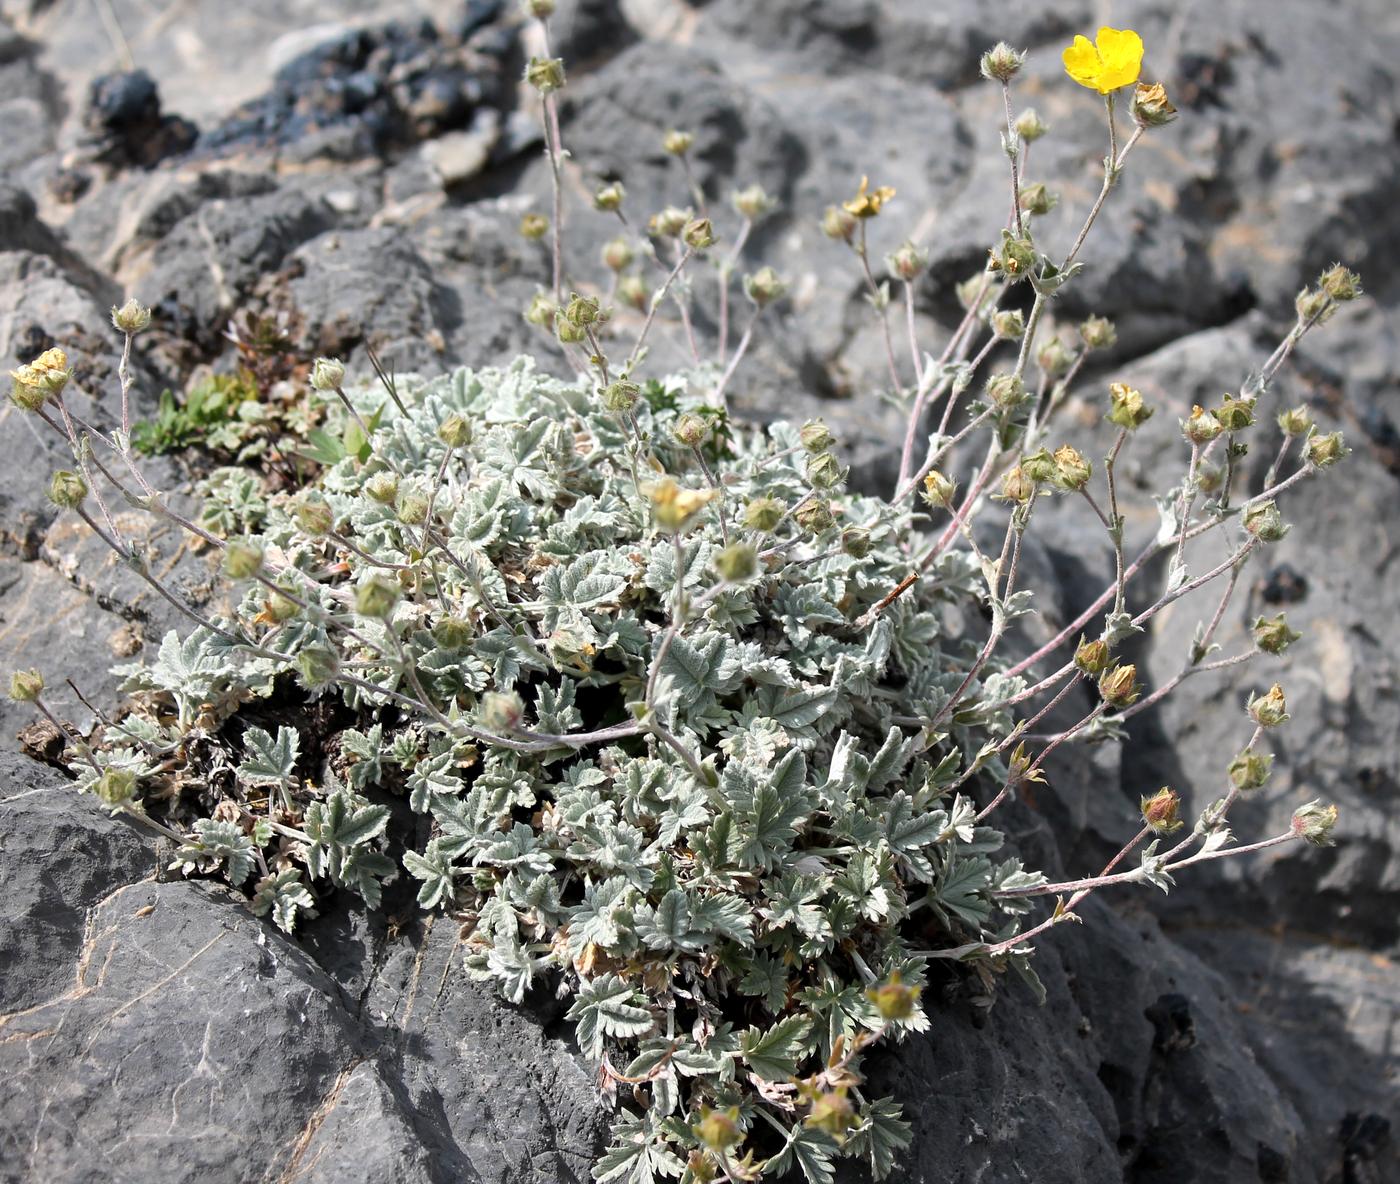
column 1160, row 811
column 1039, row 467
column 1073, row 471
column 1201, row 427
column 633, row 292
column 1340, row 284
column 26, row 686
column 568, row 332
column 1150, row 106
column 1270, row 709
column 242, row 561
column 824, row 471
column 1054, row 358
column 908, row 262
column 669, row 223
column 455, row 431
column 1313, row 823
column 764, row 287
column 837, row 223
column 1017, row 487
column 317, row 666
column 691, row 429
column 855, row 542
column 453, row 633
column 412, row 508
column 1272, row 634
column 1295, row 422
column 534, row 227
column 1263, row 521
column 815, row 516
column 1037, row 199
column 314, row 515
column 1235, row 414
column 539, row 9
column 1326, row 450
column 752, row 203
column 737, row 562
column 718, row 1130
column 1251, row 770
column 43, row 378
column 116, row 788
column 893, row 999
column 383, row 488
column 1029, row 126
column 763, row 513
column 938, row 489
column 1015, row 256
column 621, row 395
column 584, row 310
column 609, row 197
column 832, row 1113
column 1006, row 390
column 280, row 608
column 327, row 374
column 1128, row 407
column 1209, row 478
column 699, row 234
column 816, row 436
column 677, row 143
column 501, row 712
column 1001, row 63
column 1009, row 324
column 67, row 490
column 542, row 310
column 618, row 254
column 1098, row 333
column 376, row 597
column 1119, row 686
column 974, row 290
column 132, row 317
column 546, row 75
column 1092, row 657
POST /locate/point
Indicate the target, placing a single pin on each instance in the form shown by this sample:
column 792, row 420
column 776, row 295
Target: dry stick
column 863, row 254
column 913, row 338
column 726, row 271
column 742, row 349
column 655, row 304
column 1012, row 156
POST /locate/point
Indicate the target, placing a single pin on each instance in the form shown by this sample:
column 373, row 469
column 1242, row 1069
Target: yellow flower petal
column 1121, row 53
column 1082, row 62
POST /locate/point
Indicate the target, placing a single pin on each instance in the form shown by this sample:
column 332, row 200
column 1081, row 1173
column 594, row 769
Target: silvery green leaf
column 607, row 1007
column 1118, row 627
column 1153, row 869
column 268, row 761
column 284, row 896
column 878, row 1135
column 810, row 1149
column 217, row 843
column 774, row 1053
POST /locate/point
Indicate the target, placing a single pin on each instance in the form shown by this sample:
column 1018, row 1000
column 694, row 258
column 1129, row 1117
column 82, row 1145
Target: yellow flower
column 1112, row 60
column 674, row 506
column 866, row 204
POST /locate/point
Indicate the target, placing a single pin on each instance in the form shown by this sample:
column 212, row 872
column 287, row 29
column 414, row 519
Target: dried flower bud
column 1313, row 823
column 1029, row 126
column 1150, row 106
column 894, row 999
column 855, row 542
column 824, row 471
column 1073, row 471
column 584, row 310
column 26, row 686
column 132, row 317
column 542, row 310
column 317, row 666
column 699, row 234
column 1001, row 63
column 669, row 223
column 453, row 633
column 609, row 197
column 908, row 262
column 1295, row 422
column 1270, row 709
column 1201, row 427
column 1313, row 304
column 737, row 562
column 67, row 490
column 1006, row 390
column 621, row 395
column 1160, row 811
column 116, row 788
column 1092, row 657
column 568, row 332
column 752, row 202
column 1119, row 686
column 280, row 608
column 501, row 712
column 242, row 560
column 1009, row 324
column 1340, row 284
column 546, row 75
column 1272, row 634
column 1017, row 487
column 1098, row 333
column 832, row 1113
column 412, row 508
column 677, row 143
column 672, row 506
column 718, row 1130
column 314, row 515
column 816, row 436
column 938, row 489
column 815, row 516
column 383, row 488
column 534, row 227
column 1054, row 358
column 1326, row 450
column 763, row 513
column 974, row 290
column 1209, row 478
column 838, row 224
column 618, row 254
column 455, row 431
column 868, row 203
column 1015, row 256
column 1128, row 407
column 1251, row 770
column 43, row 378
column 1235, row 414
column 633, row 292
column 1264, row 522
column 327, row 374
column 691, row 429
column 1039, row 467
column 539, row 9
column 764, row 287
column 376, row 597
column 1037, row 199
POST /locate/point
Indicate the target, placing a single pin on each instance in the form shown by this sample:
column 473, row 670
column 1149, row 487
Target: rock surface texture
column 360, row 171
